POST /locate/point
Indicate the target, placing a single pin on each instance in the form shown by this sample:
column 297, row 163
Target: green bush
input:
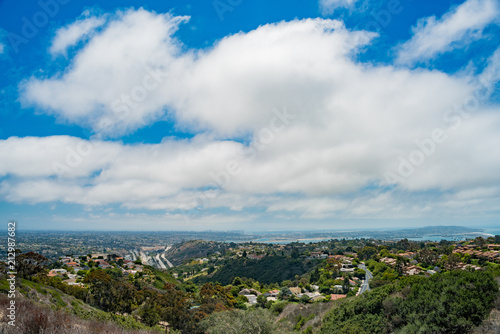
column 278, row 307
column 452, row 302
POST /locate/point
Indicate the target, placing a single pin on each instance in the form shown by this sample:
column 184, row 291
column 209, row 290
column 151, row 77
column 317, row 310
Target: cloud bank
column 285, row 119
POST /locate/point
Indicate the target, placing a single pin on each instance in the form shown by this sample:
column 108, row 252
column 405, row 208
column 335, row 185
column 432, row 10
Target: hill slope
column 452, row 302
column 268, row 270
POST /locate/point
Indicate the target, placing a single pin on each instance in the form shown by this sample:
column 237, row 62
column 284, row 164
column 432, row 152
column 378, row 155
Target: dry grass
column 316, row 311
column 32, row 318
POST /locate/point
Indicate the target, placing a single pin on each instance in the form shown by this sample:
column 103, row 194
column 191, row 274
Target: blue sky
column 250, row 115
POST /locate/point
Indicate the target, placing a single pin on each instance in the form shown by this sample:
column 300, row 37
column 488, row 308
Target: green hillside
column 42, row 308
column 452, row 302
column 267, row 270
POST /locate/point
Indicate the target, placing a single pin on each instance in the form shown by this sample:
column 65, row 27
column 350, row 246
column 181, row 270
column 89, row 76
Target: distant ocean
column 492, row 230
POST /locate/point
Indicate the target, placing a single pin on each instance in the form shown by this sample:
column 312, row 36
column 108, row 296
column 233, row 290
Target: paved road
column 368, row 275
column 144, row 258
column 168, row 262
column 158, row 260
column 134, row 257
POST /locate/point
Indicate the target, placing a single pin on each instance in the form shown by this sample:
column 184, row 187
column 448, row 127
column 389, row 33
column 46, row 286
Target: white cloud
column 456, row 29
column 491, row 74
column 72, row 34
column 129, row 74
column 349, row 124
column 114, row 63
column 329, row 6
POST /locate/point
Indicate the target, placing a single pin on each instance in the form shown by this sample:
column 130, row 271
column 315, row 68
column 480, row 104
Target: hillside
column 45, row 309
column 452, row 302
column 458, row 302
column 193, row 249
column 267, row 270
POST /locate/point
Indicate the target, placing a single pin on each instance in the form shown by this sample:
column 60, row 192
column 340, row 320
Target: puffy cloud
column 116, row 62
column 130, row 73
column 72, row 34
column 321, row 129
column 329, row 6
column 456, row 29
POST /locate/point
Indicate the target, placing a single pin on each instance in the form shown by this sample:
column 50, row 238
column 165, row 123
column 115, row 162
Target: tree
column 384, row 253
column 244, row 253
column 403, row 244
column 400, row 265
column 315, row 275
column 100, row 289
column 451, row 261
column 346, row 287
column 261, row 301
column 359, row 273
column 30, row 264
column 427, row 257
column 284, row 294
column 237, row 281
column 149, row 314
column 466, row 258
column 305, row 299
column 367, row 252
column 479, row 241
column 241, row 302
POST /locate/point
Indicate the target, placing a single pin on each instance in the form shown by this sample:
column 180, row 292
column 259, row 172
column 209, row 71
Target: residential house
column 272, row 294
column 412, row 270
column 337, row 297
column 249, row 292
column 389, row 261
column 252, row 299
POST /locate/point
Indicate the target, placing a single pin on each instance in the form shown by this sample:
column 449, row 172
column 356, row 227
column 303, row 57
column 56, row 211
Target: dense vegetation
column 268, row 270
column 193, row 249
column 44, row 309
column 452, row 302
column 249, row 321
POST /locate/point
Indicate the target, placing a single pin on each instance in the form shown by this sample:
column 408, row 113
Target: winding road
column 366, row 283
